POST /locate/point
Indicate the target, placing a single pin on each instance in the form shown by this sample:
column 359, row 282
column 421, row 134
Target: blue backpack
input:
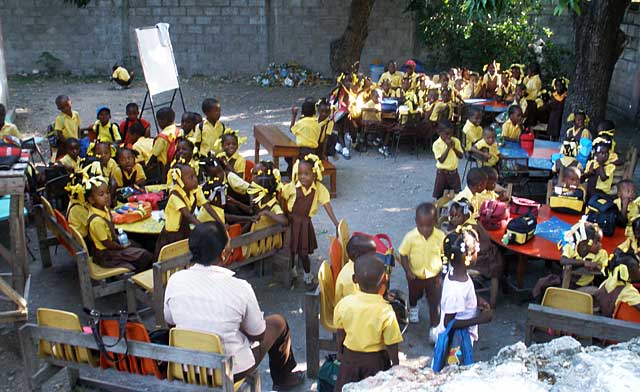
column 453, row 347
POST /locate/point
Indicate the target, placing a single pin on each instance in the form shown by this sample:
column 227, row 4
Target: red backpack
column 171, row 150
column 521, row 206
column 494, row 214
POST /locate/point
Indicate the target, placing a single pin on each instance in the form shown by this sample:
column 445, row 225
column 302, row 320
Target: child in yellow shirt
column 5, row 127
column 140, row 143
column 368, row 333
column 583, row 248
column 208, row 132
column 622, row 269
column 472, row 129
column 358, row 245
column 128, row 172
column 512, row 128
column 443, row 110
column 628, row 204
column 420, row 254
column 78, row 209
column 492, row 190
column 476, row 184
column 71, row 160
column 165, row 118
column 579, row 129
column 631, row 245
column 447, row 150
column 67, row 124
column 104, row 152
column 326, row 124
column 234, row 161
column 122, row 76
column 599, row 171
column 486, row 149
column 104, row 130
column 392, row 75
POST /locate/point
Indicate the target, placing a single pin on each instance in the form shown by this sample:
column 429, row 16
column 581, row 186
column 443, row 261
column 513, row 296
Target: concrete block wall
column 624, row 92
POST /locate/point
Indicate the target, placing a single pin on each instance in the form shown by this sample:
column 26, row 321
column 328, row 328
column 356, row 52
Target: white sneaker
column 433, row 335
column 414, row 315
column 308, row 277
column 294, row 272
column 338, row 147
column 346, row 154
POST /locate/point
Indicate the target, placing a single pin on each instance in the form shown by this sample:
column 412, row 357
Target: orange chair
column 335, row 257
column 248, row 168
column 626, row 312
column 236, row 254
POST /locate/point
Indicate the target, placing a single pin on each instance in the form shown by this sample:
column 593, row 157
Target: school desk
column 541, row 248
column 538, row 158
column 275, row 142
column 148, row 226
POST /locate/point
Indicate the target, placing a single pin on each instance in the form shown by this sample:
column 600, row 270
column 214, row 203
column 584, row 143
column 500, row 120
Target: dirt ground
column 375, row 195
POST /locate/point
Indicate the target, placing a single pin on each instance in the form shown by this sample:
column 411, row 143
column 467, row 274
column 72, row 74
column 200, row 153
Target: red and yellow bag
column 131, row 212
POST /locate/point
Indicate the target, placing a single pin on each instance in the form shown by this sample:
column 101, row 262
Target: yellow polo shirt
column 451, row 161
column 239, row 164
column 111, row 167
column 161, row 146
column 633, row 212
column 321, row 196
column 69, row 126
column 121, row 74
column 204, row 216
column 70, row 163
column 602, row 185
column 437, row 109
column 534, row 85
column 78, row 216
column 369, row 322
column 103, row 132
column 395, row 79
column 10, row 129
column 207, row 134
column 572, row 132
column 326, row 128
column 99, row 227
column 472, row 133
column 307, row 132
column 344, row 282
column 178, row 199
column 425, row 254
column 120, row 175
column 371, row 115
column 474, row 200
column 144, row 146
column 486, row 195
column 493, row 152
column 630, row 245
column 511, row 131
column 602, row 258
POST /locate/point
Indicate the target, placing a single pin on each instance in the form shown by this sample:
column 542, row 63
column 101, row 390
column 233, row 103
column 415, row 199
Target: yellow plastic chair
column 96, row 271
column 572, row 300
column 53, row 318
column 144, row 279
column 48, row 209
column 199, row 341
column 344, row 236
column 327, row 296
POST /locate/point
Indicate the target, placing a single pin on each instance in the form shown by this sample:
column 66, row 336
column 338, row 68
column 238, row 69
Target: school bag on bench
column 604, row 212
column 520, row 230
column 522, row 206
column 494, row 214
column 10, row 152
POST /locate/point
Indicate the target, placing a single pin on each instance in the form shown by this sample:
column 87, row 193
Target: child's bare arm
column 444, row 155
column 393, row 354
column 279, row 218
column 482, row 317
column 332, row 215
column 404, row 261
column 186, row 214
column 213, row 213
column 481, row 154
column 458, row 153
column 602, row 173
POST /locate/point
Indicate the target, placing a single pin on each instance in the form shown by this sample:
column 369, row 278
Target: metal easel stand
column 154, row 106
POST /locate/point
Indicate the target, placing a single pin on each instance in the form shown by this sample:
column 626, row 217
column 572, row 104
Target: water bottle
column 122, row 238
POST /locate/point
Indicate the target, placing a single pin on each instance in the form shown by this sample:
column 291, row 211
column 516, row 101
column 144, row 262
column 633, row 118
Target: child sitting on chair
column 108, row 252
column 512, row 128
column 476, row 184
column 583, row 248
column 358, row 245
column 121, row 76
column 579, row 129
column 264, row 192
column 78, row 209
column 306, row 130
column 570, row 185
column 492, row 190
column 420, row 257
column 128, row 172
column 104, row 152
column 133, row 112
column 627, row 203
column 631, row 245
column 160, row 153
column 7, row 128
column 103, row 129
column 71, row 160
column 617, row 288
column 447, row 150
column 569, row 150
column 140, row 143
column 368, row 333
column 472, row 129
column 184, row 155
column 229, row 155
column 486, row 149
column 600, row 170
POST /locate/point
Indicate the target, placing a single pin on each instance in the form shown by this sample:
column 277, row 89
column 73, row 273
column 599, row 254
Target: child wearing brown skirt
column 108, row 252
column 367, row 329
column 302, row 196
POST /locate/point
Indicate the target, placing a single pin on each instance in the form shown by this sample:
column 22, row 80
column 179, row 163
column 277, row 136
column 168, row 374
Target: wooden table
column 276, row 142
column 541, row 248
column 538, row 158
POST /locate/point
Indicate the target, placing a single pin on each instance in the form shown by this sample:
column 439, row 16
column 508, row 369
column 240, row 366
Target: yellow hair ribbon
column 96, row 181
column 258, row 192
column 176, row 176
column 93, row 170
column 76, row 192
column 620, row 273
column 317, row 167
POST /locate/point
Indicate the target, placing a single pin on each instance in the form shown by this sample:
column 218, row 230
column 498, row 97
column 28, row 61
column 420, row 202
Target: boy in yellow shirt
column 209, row 130
column 170, row 133
column 443, row 110
column 486, row 149
column 368, row 333
column 5, row 127
column 71, row 160
column 104, row 129
column 392, row 75
column 599, row 171
column 628, row 204
column 140, row 143
column 357, row 246
column 585, row 250
column 420, row 256
column 67, row 124
column 476, row 184
column 512, row 128
column 472, row 129
column 306, row 130
column 447, row 150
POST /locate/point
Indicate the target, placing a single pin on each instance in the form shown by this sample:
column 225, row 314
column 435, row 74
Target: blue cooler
column 389, row 107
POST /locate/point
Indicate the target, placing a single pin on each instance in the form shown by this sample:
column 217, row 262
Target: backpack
column 384, row 248
column 453, row 347
column 602, row 211
column 171, row 150
column 520, row 230
column 328, row 374
column 567, row 201
column 400, row 303
column 493, row 214
column 522, row 206
column 9, row 155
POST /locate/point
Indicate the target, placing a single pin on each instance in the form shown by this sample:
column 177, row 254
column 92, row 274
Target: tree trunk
column 599, row 42
column 346, row 50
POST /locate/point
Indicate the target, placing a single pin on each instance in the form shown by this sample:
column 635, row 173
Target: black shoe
column 295, row 379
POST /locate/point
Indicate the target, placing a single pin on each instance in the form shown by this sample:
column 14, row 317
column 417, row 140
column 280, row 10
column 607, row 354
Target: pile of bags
column 288, row 75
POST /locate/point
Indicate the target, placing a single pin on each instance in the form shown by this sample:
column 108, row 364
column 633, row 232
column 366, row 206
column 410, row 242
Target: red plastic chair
column 248, row 168
column 236, row 254
column 335, row 257
column 62, row 221
column 626, row 312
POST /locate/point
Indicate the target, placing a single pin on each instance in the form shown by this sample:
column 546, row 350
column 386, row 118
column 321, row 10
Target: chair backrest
column 344, row 236
column 566, row 299
column 335, row 257
column 626, row 312
column 236, row 254
column 54, row 318
column 170, row 251
column 200, row 341
column 248, row 168
column 48, row 209
column 327, row 296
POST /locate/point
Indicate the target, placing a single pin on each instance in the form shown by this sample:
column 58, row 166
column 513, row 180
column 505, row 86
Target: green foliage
column 478, row 9
column 50, row 64
column 506, row 34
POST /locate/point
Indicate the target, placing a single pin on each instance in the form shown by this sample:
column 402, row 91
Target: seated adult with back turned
column 208, row 298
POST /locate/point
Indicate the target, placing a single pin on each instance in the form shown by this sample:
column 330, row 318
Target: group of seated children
column 205, row 176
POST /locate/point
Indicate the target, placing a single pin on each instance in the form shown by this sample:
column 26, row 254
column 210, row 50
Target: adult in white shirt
column 208, row 298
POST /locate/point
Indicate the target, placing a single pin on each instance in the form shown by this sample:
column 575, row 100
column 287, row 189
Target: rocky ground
column 375, row 195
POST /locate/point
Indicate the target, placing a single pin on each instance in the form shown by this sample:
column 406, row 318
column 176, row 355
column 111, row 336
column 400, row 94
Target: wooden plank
column 12, row 294
column 255, row 236
column 18, row 241
column 12, row 185
column 41, row 229
column 581, row 324
column 312, row 330
column 251, row 260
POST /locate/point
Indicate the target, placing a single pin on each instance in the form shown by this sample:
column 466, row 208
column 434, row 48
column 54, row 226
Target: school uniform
column 447, row 176
column 326, row 129
column 412, row 101
column 237, row 162
column 602, row 258
column 205, row 137
column 121, row 74
column 395, row 79
column 78, row 216
column 70, row 164
column 630, row 246
column 144, row 146
column 302, row 204
column 511, row 131
column 111, row 167
column 126, row 124
column 491, row 85
column 263, row 222
column 307, row 132
column 101, row 229
column 123, row 179
column 344, row 282
column 108, row 132
column 577, row 134
column 609, row 298
column 10, row 129
column 372, row 116
column 161, row 144
column 68, row 126
column 471, row 198
column 563, row 162
column 626, row 219
column 472, row 133
column 491, row 149
column 425, row 263
column 370, row 326
column 534, row 85
column 595, row 183
column 439, row 111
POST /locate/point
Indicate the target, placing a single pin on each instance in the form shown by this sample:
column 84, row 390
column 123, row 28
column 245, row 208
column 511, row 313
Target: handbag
column 400, row 303
column 602, row 211
column 520, row 230
column 493, row 214
column 328, row 373
column 522, row 206
column 453, row 347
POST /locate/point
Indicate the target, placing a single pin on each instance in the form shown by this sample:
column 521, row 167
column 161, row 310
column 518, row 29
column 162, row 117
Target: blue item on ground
column 449, row 339
column 553, row 229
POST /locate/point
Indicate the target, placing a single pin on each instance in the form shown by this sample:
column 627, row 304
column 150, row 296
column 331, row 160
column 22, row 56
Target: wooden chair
column 331, row 172
column 140, row 286
column 48, row 218
column 196, row 375
column 344, row 236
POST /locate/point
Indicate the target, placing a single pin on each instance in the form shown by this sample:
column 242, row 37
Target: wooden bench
column 153, row 294
column 584, row 325
column 312, row 327
column 110, row 379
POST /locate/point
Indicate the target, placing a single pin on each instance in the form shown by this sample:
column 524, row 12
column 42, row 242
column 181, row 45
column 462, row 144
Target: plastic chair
column 236, row 254
column 62, row 320
column 344, row 236
column 572, row 300
column 96, row 271
column 327, row 296
column 248, row 170
column 200, row 341
column 442, row 204
column 626, row 312
column 335, row 257
column 144, row 279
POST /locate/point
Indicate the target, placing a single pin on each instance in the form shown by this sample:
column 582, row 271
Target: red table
column 541, row 248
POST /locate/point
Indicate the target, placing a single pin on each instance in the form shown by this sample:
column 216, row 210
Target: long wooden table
column 276, row 142
column 541, row 248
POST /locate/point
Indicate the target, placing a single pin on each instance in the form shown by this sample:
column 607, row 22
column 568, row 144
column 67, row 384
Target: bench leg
column 493, row 297
column 132, row 306
column 41, row 229
column 333, row 185
column 311, row 311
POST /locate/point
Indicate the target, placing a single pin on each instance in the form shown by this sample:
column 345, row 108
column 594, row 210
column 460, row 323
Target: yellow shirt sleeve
column 405, row 246
column 139, row 172
column 629, row 295
column 172, row 213
column 116, row 175
column 322, row 194
column 200, row 199
column 78, row 217
column 159, row 150
column 99, row 232
column 391, row 330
